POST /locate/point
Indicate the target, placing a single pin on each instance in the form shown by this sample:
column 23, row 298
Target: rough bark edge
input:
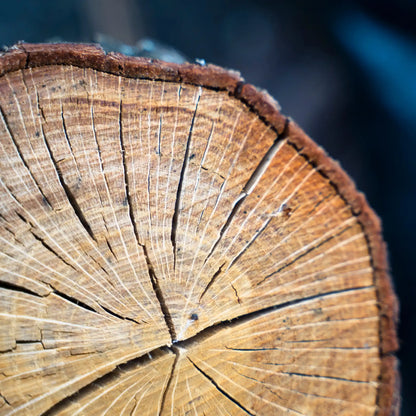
column 389, row 394
column 27, row 55
column 24, row 55
column 388, row 398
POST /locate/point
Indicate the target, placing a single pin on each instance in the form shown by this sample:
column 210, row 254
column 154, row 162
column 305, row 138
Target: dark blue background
column 345, row 71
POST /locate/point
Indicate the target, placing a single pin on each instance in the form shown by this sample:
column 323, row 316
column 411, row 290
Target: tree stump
column 171, row 244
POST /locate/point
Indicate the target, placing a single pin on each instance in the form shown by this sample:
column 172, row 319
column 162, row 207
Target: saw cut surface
column 165, row 251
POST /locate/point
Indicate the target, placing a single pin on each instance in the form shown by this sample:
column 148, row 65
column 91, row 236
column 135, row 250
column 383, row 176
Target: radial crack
column 17, row 288
column 247, row 246
column 227, row 223
column 241, row 319
column 116, row 315
column 236, row 294
column 213, row 278
column 159, row 295
column 152, row 275
column 70, row 196
column 221, row 390
column 172, row 372
column 65, row 134
column 263, row 165
column 248, row 189
column 178, row 200
column 5, row 399
column 73, row 300
column 97, row 384
column 304, row 254
column 22, row 158
column 50, row 249
column 325, row 377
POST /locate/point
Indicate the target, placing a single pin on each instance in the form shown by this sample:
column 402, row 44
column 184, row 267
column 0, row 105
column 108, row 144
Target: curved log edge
column 23, row 56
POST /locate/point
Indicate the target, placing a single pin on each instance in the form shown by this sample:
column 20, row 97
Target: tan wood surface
column 170, row 244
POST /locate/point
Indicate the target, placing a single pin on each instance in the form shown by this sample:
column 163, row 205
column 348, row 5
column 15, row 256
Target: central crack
column 152, row 275
column 159, row 295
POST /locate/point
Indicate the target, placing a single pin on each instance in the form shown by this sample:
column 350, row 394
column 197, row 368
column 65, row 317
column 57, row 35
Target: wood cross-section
column 171, row 244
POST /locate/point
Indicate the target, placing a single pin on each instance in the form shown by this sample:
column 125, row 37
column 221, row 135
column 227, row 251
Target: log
column 171, row 244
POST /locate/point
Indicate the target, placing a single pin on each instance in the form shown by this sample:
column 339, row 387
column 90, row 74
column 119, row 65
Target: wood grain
column 172, row 244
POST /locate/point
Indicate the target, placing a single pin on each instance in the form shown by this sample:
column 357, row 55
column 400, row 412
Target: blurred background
column 344, row 70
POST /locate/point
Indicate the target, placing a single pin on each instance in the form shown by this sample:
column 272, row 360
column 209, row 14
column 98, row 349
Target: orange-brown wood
column 171, row 244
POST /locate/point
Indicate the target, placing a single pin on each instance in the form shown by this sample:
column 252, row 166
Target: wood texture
column 171, row 244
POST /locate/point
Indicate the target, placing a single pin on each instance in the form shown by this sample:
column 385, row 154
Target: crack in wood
column 68, row 192
column 103, row 175
column 304, row 254
column 221, row 390
column 159, row 137
column 74, row 301
column 22, row 158
column 241, row 319
column 263, row 385
column 247, row 190
column 248, row 245
column 175, row 217
column 66, row 136
column 159, row 295
column 305, row 341
column 17, row 288
column 236, row 294
column 116, row 315
column 206, row 333
column 236, row 206
column 50, row 249
column 27, row 341
column 325, row 377
column 150, row 269
column 213, row 278
column 109, row 246
column 5, row 399
column 176, row 351
column 106, row 378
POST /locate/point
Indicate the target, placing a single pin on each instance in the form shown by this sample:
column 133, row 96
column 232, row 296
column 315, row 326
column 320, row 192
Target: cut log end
column 171, row 244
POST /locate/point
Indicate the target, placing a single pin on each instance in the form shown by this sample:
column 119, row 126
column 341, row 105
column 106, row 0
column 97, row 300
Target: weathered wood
column 171, row 244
